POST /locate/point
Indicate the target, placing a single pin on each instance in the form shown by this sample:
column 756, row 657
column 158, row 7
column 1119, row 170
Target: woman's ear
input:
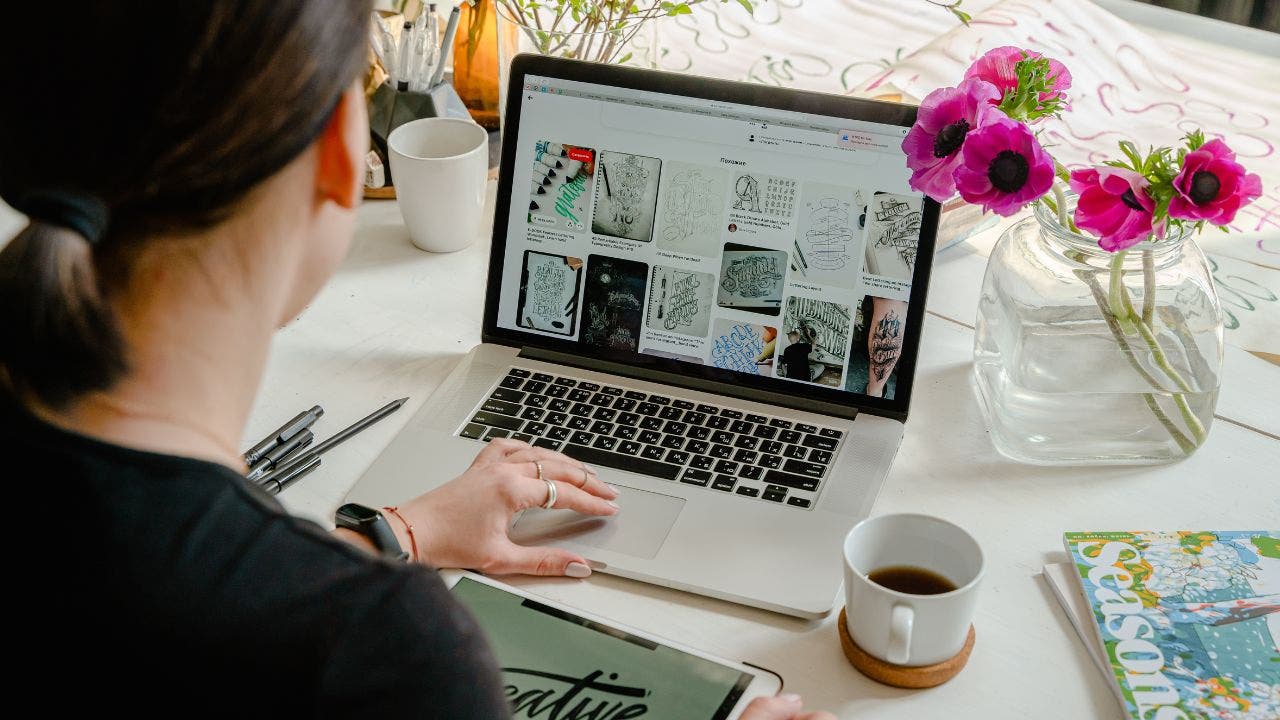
column 341, row 148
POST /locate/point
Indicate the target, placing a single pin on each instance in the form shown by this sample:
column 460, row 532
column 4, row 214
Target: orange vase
column 475, row 61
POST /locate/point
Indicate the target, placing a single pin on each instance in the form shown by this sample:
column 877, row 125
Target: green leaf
column 746, row 5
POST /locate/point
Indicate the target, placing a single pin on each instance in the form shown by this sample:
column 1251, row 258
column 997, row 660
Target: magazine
column 1189, row 620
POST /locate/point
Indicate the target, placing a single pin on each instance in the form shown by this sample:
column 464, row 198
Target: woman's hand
column 463, row 523
column 781, row 707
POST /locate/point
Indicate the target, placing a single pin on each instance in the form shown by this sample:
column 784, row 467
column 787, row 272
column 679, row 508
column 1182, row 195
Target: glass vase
column 476, row 65
column 521, row 29
column 1082, row 356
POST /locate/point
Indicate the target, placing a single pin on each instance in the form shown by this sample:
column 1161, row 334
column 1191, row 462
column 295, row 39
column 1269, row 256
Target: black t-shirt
column 162, row 584
column 796, row 360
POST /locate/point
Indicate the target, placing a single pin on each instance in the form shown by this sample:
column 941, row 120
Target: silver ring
column 551, row 494
column 538, row 466
column 586, row 477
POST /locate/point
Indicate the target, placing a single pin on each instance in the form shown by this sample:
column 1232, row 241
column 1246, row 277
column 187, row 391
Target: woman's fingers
column 574, row 472
column 531, row 492
column 520, row 560
column 497, row 450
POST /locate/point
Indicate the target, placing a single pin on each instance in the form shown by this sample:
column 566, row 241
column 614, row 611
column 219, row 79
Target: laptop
column 712, row 292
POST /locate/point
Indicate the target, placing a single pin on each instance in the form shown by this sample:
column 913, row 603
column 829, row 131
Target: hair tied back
column 81, row 212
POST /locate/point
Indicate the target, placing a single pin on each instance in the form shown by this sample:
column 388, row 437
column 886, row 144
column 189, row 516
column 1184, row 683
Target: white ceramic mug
column 439, row 167
column 897, row 627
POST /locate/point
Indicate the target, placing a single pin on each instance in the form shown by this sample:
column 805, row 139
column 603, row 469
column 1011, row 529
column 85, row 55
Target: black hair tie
column 79, row 211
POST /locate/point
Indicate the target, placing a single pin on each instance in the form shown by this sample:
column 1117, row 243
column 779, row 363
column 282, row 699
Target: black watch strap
column 370, row 523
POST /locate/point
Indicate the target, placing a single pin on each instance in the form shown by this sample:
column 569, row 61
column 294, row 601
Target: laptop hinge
column 702, row 384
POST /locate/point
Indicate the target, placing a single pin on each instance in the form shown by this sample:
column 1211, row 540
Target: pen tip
column 401, row 401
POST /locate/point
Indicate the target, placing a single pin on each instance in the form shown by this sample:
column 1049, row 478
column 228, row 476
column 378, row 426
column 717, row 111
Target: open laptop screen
column 758, row 246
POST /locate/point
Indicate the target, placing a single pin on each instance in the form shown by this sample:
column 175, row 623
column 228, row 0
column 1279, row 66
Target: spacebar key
column 640, row 465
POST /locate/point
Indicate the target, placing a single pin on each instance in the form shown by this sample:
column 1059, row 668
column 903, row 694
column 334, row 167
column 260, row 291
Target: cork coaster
column 382, row 193
column 923, row 676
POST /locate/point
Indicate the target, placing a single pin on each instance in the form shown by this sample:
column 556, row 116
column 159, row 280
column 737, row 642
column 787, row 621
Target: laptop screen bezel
column 785, row 392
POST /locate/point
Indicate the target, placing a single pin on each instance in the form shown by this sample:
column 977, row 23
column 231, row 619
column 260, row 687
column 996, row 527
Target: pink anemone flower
column 1212, row 186
column 1004, row 168
column 933, row 144
column 996, row 66
column 1114, row 205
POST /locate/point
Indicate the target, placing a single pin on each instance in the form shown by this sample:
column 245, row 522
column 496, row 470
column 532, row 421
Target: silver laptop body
column 651, row 243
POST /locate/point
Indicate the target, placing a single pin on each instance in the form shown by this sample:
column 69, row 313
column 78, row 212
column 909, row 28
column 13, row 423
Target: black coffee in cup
column 911, row 580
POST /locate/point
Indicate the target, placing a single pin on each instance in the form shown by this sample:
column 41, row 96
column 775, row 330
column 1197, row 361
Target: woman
column 190, row 172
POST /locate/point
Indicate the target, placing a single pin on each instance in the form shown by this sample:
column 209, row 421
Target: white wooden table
column 395, row 319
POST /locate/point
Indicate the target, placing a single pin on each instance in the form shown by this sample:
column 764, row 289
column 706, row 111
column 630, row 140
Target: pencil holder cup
column 390, row 108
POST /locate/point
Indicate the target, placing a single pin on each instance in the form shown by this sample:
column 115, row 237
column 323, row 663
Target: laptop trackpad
column 638, row 529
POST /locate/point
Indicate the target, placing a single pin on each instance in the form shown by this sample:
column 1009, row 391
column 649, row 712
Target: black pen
column 301, row 422
column 281, row 452
column 337, row 439
column 274, row 485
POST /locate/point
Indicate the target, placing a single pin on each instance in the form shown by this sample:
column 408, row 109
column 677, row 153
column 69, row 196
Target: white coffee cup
column 439, row 167
column 901, row 628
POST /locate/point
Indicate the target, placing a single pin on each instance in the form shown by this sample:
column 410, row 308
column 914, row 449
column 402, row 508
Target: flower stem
column 1148, row 288
column 1114, row 288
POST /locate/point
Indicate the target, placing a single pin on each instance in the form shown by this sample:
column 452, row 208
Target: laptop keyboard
column 666, row 437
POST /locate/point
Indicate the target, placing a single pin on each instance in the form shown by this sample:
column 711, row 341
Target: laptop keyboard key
column 790, row 436
column 534, row 428
column 653, row 452
column 603, row 458
column 770, row 461
column 628, row 447
column 708, row 409
column 795, row 451
column 589, row 386
column 647, row 408
column 635, row 395
column 628, row 419
column 831, row 433
column 696, row 477
column 801, row 467
column 659, row 400
column 683, row 404
column 798, row 501
column 756, row 418
column 749, row 491
column 534, row 386
column 522, row 437
column 473, row 431
column 694, row 418
column 625, row 432
column 582, row 409
column 723, row 437
column 698, row 447
column 605, row 443
column 745, row 456
column 547, row 443
column 497, row 420
column 673, row 442
column 624, row 404
column 724, row 482
column 518, row 372
column 558, row 433
column 747, row 442
column 780, row 423
column 566, row 382
column 557, row 391
column 774, row 495
column 750, row 472
column 604, row 413
column 678, row 457
column 731, row 414
column 507, row 394
column 512, row 381
column 543, row 377
column 500, row 406
column 771, row 447
column 496, row 433
column 721, row 451
column 698, row 432
column 820, row 456
column 801, row 427
column 537, row 401
column 601, row 427
column 718, row 423
column 798, row 482
column 601, row 400
column 742, row 426
column 764, row 432
column 555, row 418
column 561, row 406
column 650, row 437
column 819, row 442
column 582, row 438
column 651, row 423
column 579, row 395
column 702, row 462
column 578, row 422
column 532, row 414
column 674, row 428
column 670, row 413
column 727, row 467
column 610, row 390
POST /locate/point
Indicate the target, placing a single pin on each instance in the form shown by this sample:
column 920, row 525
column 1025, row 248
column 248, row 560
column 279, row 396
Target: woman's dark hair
column 127, row 120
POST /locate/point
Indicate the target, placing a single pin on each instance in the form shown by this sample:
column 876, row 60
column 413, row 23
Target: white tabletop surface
column 394, row 321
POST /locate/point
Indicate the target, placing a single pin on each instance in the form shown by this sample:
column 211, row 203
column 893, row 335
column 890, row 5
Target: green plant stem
column 1114, row 286
column 1148, row 288
column 1061, row 203
column 1100, row 297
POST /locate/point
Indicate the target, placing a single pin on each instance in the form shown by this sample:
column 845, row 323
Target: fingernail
column 614, row 489
column 790, row 699
column 577, row 570
column 612, row 504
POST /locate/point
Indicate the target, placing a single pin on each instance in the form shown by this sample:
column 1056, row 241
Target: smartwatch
column 370, row 523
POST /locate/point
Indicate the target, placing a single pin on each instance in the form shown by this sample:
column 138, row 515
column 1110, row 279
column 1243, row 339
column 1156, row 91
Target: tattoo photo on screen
column 743, row 347
column 693, row 202
column 680, row 301
column 752, row 279
column 613, row 303
column 893, row 235
column 560, row 187
column 549, row 292
column 814, row 341
column 626, row 196
column 877, row 345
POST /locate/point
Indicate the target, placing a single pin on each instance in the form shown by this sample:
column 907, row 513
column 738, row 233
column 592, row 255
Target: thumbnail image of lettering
column 764, row 195
column 680, row 301
column 613, row 303
column 828, row 245
column 693, row 201
column 814, row 341
column 877, row 346
column 560, row 186
column 626, row 196
column 743, row 347
column 549, row 292
column 752, row 278
column 557, row 666
column 893, row 234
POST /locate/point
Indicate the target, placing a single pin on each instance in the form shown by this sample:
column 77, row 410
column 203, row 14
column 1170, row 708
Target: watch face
column 358, row 513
